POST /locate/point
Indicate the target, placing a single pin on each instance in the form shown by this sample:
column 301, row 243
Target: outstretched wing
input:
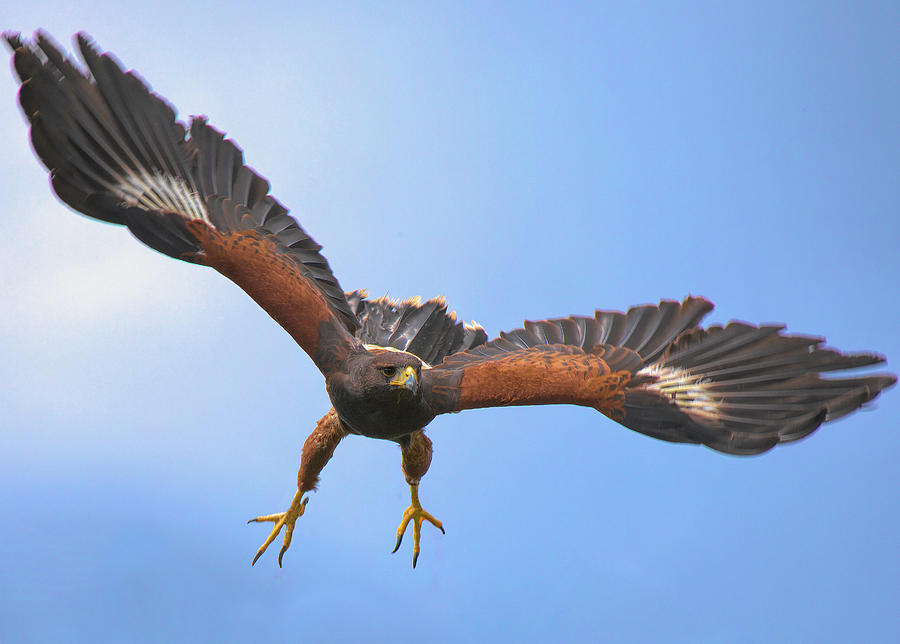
column 424, row 328
column 739, row 389
column 116, row 153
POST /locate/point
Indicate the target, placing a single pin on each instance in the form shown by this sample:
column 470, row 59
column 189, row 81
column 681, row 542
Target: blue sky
column 526, row 162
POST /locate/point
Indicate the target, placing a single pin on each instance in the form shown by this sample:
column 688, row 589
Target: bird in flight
column 116, row 152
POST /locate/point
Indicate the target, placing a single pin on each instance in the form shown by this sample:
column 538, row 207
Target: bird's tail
column 423, row 327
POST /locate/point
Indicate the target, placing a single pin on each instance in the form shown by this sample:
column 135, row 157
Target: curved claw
column 399, row 540
column 282, row 519
column 417, row 515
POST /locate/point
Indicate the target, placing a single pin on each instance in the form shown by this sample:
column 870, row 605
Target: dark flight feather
column 424, row 328
column 739, row 389
column 743, row 389
column 116, row 153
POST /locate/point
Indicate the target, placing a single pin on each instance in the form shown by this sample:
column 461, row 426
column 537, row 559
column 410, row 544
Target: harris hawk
column 116, row 153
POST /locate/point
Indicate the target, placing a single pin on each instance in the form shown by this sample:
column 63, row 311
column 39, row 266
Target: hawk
column 116, row 152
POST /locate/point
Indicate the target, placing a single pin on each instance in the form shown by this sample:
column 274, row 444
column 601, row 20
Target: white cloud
column 62, row 271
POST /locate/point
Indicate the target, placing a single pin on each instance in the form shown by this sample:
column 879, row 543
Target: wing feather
column 424, row 328
column 116, row 152
column 544, row 374
column 737, row 388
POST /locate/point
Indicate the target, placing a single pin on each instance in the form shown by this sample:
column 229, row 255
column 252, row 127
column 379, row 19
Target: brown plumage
column 252, row 260
column 116, row 152
column 318, row 449
column 542, row 375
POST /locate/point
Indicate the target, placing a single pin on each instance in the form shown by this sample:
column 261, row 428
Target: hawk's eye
column 389, row 371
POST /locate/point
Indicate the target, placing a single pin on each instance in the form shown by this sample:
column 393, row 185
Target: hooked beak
column 406, row 379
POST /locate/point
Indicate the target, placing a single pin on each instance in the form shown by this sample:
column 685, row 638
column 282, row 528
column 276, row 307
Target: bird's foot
column 417, row 515
column 281, row 520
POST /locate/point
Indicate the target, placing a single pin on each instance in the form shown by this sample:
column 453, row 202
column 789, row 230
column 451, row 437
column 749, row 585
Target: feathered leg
column 317, row 451
column 416, row 452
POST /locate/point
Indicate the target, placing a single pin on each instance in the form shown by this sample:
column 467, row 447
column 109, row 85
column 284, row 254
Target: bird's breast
column 389, row 418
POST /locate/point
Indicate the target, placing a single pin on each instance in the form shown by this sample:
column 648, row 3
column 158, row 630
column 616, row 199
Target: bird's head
column 385, row 374
column 379, row 393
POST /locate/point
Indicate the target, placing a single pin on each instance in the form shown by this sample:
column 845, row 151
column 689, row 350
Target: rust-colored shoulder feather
column 540, row 375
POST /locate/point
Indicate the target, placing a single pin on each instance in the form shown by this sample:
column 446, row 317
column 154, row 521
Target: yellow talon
column 282, row 519
column 417, row 515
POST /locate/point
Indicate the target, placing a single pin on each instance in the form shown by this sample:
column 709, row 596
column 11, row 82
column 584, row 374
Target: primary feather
column 116, row 152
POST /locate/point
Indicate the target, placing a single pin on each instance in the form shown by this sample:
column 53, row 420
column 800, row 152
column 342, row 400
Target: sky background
column 525, row 162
